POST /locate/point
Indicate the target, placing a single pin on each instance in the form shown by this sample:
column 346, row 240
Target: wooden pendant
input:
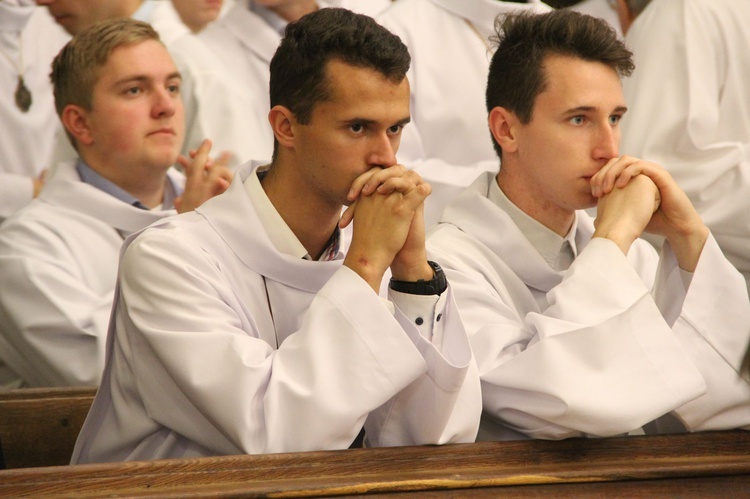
column 23, row 96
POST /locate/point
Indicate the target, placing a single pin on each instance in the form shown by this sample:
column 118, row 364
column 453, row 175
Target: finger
column 348, row 215
column 403, row 183
column 201, row 155
column 183, row 161
column 376, row 180
column 611, row 173
column 225, row 173
column 218, row 178
column 197, row 161
column 224, row 158
column 417, row 196
column 607, row 177
column 627, row 174
column 598, row 178
column 359, row 182
column 221, row 186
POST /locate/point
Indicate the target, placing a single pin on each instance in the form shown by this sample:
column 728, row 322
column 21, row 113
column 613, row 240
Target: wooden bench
column 685, row 465
column 39, row 426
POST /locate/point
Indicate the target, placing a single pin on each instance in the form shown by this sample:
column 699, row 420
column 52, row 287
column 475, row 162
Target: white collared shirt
column 559, row 252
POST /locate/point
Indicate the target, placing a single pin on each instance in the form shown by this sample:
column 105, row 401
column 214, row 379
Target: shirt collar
column 559, row 252
column 281, row 236
column 94, row 179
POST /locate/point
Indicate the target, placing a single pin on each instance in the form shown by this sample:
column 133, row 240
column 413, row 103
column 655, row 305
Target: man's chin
column 590, row 202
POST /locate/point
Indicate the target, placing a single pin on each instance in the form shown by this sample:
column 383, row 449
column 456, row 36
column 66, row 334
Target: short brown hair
column 75, row 69
column 298, row 68
column 516, row 76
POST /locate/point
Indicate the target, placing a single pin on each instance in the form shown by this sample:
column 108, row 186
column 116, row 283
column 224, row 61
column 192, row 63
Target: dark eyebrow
column 365, row 121
column 582, row 109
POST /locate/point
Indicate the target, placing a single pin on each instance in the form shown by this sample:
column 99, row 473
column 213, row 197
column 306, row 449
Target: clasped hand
column 637, row 196
column 387, row 206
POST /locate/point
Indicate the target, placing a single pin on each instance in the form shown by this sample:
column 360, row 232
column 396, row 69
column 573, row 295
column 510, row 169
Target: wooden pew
column 39, row 426
column 685, row 465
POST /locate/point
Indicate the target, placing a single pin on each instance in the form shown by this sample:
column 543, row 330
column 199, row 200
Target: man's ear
column 282, row 122
column 75, row 119
column 503, row 126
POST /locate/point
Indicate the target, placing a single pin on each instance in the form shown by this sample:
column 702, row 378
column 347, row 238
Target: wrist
column 623, row 240
column 367, row 268
column 688, row 247
column 436, row 284
column 419, row 271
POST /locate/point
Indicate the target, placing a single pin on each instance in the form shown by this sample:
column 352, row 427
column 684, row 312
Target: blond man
column 117, row 93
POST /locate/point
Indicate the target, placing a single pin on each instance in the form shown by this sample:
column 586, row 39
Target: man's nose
column 165, row 102
column 383, row 151
column 607, row 145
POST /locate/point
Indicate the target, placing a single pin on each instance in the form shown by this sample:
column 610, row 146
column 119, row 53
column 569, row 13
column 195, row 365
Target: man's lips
column 163, row 131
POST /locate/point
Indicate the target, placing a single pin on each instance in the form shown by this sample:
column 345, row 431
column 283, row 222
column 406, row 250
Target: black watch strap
column 434, row 286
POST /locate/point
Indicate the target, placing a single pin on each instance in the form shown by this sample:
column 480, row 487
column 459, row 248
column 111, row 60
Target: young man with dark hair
column 579, row 327
column 117, row 93
column 245, row 328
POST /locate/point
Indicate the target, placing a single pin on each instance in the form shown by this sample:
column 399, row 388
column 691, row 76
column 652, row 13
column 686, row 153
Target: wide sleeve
column 444, row 405
column 599, row 361
column 714, row 328
column 54, row 304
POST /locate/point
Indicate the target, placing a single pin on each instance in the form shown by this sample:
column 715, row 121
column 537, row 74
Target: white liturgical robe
column 29, row 38
column 220, row 344
column 618, row 341
column 58, row 266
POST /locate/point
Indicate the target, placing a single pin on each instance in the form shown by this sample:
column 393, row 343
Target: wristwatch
column 434, row 286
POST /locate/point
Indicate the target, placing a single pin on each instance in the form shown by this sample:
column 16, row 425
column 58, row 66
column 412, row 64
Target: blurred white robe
column 689, row 109
column 58, row 264
column 28, row 138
